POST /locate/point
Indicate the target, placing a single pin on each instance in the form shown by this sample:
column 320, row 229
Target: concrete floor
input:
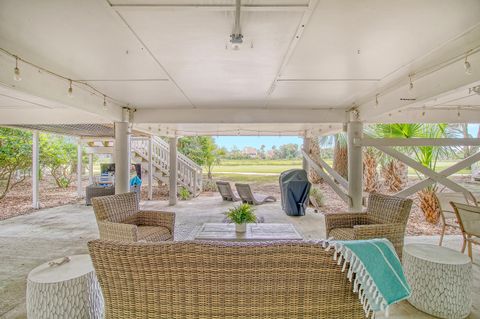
column 29, row 240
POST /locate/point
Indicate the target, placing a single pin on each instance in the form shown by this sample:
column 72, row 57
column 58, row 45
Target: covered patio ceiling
column 302, row 67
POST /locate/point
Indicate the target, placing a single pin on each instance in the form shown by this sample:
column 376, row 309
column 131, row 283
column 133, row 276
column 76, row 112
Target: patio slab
column 29, row 240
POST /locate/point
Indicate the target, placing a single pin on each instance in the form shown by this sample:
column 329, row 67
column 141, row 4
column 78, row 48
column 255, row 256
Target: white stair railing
column 189, row 173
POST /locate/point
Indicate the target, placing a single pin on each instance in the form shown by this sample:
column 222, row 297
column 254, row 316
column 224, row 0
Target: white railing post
column 79, row 170
column 355, row 165
column 35, row 170
column 173, row 172
column 150, row 168
column 122, row 155
column 90, row 168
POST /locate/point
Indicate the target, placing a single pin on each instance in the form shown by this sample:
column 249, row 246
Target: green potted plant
column 241, row 215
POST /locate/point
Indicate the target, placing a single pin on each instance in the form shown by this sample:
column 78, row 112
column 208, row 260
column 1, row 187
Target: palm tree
column 340, row 155
column 370, row 173
column 426, row 155
column 314, row 152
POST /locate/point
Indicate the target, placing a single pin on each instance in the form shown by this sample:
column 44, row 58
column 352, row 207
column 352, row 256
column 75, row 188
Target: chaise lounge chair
column 248, row 197
column 227, row 192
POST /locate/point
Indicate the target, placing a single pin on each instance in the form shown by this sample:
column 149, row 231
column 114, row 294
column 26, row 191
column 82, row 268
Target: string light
column 16, row 71
column 376, row 99
column 105, row 106
column 467, row 66
column 411, row 83
column 91, row 89
column 70, row 89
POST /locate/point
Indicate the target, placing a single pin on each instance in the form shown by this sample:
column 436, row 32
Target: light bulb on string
column 105, row 106
column 16, row 71
column 467, row 66
column 411, row 83
column 70, row 89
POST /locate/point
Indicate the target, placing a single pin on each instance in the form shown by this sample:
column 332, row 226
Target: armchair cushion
column 119, row 219
column 344, row 220
column 154, row 233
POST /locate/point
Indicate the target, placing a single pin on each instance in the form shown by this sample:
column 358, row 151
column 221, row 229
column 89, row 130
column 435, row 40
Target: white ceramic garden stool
column 67, row 290
column 440, row 278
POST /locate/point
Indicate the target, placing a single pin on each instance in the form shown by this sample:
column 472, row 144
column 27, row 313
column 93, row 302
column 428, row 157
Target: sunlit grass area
column 237, row 169
column 242, row 178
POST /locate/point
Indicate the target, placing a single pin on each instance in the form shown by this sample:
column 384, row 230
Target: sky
column 256, row 141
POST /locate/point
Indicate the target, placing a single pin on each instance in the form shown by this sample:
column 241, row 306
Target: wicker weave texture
column 119, row 218
column 386, row 217
column 222, row 280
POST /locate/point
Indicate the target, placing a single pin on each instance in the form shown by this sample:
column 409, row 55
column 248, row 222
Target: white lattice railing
column 189, row 173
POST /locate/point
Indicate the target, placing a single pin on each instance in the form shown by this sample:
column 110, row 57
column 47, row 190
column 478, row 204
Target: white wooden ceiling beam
column 237, row 115
column 445, row 80
column 429, row 115
column 213, row 7
column 48, row 116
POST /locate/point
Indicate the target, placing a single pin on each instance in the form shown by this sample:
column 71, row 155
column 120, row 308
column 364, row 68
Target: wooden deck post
column 173, row 172
column 35, row 171
column 355, row 165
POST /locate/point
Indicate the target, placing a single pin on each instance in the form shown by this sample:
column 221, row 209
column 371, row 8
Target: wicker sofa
column 222, row 280
column 386, row 217
column 119, row 218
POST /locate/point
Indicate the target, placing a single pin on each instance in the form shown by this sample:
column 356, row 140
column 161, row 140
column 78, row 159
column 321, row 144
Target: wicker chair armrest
column 117, row 231
column 344, row 220
column 379, row 231
column 157, row 218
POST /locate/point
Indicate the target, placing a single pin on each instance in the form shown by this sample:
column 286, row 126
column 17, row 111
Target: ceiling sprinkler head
column 236, row 41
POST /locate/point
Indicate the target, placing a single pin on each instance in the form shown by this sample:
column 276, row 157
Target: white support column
column 79, row 170
column 90, row 168
column 150, row 168
column 122, row 155
column 355, row 165
column 173, row 172
column 35, row 171
column 306, row 147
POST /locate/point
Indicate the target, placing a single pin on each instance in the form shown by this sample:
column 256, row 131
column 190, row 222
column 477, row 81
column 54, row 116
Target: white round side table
column 440, row 278
column 68, row 290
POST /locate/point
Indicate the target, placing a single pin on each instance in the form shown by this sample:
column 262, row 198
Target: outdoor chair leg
column 464, row 245
column 442, row 234
column 470, row 250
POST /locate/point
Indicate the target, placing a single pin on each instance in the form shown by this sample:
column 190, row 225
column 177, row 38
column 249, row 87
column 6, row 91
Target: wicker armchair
column 119, row 218
column 386, row 217
column 222, row 280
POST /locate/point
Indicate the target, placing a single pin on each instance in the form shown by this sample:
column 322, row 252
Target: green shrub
column 316, row 197
column 184, row 193
column 64, row 182
column 241, row 214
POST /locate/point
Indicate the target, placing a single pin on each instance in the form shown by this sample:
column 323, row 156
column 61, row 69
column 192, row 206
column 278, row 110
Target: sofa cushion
column 153, row 233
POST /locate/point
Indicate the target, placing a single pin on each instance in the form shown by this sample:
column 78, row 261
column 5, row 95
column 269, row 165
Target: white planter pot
column 241, row 228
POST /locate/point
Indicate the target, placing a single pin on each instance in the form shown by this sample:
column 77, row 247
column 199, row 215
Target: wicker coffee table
column 255, row 232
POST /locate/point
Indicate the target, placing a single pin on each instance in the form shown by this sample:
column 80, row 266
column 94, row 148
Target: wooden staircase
column 189, row 173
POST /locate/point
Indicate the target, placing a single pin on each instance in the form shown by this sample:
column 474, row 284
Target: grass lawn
column 256, row 166
column 263, row 170
column 235, row 177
